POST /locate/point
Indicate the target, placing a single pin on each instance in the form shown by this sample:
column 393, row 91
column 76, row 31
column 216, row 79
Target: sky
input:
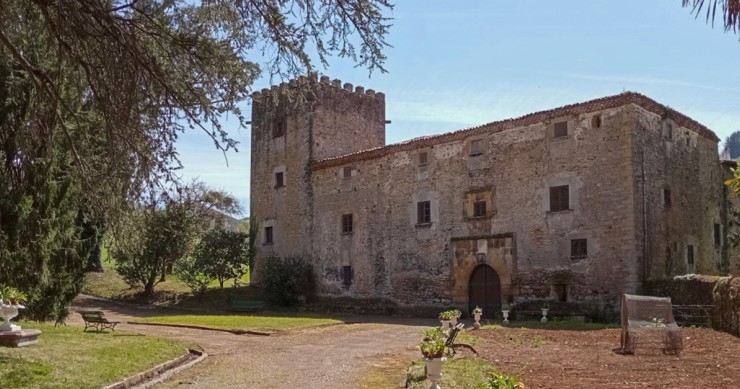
column 459, row 64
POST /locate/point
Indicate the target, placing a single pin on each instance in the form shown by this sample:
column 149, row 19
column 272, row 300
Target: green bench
column 97, row 320
column 247, row 305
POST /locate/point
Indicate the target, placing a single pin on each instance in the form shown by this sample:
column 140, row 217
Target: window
column 578, row 248
column 690, row 254
column 669, row 131
column 560, row 130
column 559, row 198
column 268, row 235
column 476, row 147
column 279, row 180
column 717, row 235
column 423, row 212
column 347, row 172
column 347, row 224
column 479, row 209
column 278, row 128
column 423, row 158
column 347, row 275
column 667, row 198
column 596, row 121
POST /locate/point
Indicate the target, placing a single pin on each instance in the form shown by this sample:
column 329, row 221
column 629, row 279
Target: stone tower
column 294, row 124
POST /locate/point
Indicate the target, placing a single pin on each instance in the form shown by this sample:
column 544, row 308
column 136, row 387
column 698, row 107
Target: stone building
column 580, row 203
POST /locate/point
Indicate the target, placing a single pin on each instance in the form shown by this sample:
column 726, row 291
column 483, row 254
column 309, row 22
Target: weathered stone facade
column 579, row 203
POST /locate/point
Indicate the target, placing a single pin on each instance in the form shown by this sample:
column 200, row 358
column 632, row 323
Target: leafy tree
column 219, row 255
column 732, row 143
column 194, row 274
column 287, row 279
column 729, row 11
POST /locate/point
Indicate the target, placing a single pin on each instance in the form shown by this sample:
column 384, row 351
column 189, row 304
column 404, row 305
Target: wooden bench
column 247, row 305
column 97, row 320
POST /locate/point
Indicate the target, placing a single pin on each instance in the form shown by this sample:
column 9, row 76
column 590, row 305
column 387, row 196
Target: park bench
column 247, row 305
column 97, row 320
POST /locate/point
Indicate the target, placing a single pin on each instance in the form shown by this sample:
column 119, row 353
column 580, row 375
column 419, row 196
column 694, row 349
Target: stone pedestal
column 19, row 338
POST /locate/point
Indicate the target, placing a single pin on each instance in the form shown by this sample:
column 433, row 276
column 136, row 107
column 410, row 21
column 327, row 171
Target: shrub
column 287, row 279
column 193, row 274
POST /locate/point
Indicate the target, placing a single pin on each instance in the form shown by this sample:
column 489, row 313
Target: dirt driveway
column 322, row 357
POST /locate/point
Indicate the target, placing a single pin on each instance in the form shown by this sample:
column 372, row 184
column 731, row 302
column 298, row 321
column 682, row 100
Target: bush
column 193, row 274
column 287, row 279
column 500, row 380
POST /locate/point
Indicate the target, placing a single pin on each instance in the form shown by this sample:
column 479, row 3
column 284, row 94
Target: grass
column 67, row 357
column 462, row 373
column 242, row 322
column 171, row 292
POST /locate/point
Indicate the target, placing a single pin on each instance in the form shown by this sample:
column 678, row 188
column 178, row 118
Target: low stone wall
column 726, row 312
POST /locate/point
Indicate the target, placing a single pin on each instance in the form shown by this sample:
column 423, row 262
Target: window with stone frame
column 669, row 131
column 560, row 130
column 279, row 180
column 690, row 254
column 347, row 224
column 424, row 212
column 347, row 275
column 347, row 172
column 423, row 158
column 578, row 248
column 596, row 121
column 268, row 235
column 717, row 235
column 476, row 147
column 479, row 208
column 279, row 128
column 559, row 198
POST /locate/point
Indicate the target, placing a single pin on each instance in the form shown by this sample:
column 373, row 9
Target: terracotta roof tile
column 529, row 119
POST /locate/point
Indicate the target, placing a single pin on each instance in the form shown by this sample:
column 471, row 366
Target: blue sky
column 457, row 66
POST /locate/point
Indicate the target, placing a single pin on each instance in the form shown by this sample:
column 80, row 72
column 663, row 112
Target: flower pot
column 445, row 324
column 544, row 315
column 434, row 370
column 453, row 321
column 505, row 312
column 8, row 312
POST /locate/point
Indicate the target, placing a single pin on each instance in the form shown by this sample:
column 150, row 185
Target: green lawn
column 389, row 372
column 67, row 357
column 242, row 322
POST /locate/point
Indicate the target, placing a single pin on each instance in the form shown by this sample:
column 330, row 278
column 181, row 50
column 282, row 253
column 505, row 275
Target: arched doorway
column 485, row 290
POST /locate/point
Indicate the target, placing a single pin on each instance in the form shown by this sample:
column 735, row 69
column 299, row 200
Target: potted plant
column 10, row 302
column 505, row 309
column 545, row 308
column 477, row 312
column 445, row 317
column 434, row 349
column 454, row 316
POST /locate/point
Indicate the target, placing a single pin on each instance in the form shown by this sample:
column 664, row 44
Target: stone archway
column 484, row 290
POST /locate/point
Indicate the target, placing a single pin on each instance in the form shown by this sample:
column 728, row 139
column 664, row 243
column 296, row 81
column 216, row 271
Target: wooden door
column 485, row 291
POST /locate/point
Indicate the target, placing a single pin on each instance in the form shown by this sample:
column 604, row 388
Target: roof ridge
column 627, row 97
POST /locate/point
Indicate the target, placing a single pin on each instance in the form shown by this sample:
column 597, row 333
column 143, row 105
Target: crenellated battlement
column 324, row 84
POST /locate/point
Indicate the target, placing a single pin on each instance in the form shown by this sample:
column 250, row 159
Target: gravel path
column 320, row 357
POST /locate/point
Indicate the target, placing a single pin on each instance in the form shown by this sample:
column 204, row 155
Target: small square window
column 423, row 212
column 479, row 209
column 268, row 235
column 476, row 147
column 279, row 180
column 559, row 200
column 279, row 128
column 423, row 158
column 667, row 198
column 690, row 254
column 560, row 130
column 347, row 172
column 717, row 235
column 347, row 275
column 347, row 224
column 578, row 248
column 596, row 121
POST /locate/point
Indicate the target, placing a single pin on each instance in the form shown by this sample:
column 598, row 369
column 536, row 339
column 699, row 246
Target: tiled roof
column 529, row 119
